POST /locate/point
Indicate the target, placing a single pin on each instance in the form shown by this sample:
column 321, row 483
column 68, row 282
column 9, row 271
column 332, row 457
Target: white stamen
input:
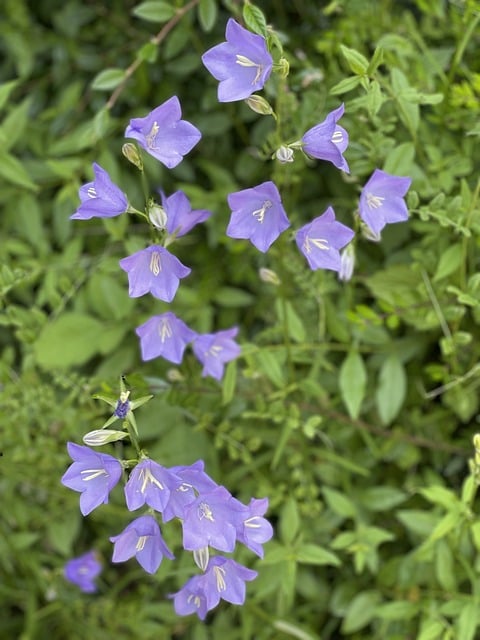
column 155, row 264
column 243, row 61
column 165, row 330
column 141, row 543
column 219, row 576
column 150, row 137
column 320, row 243
column 337, row 137
column 147, row 476
column 252, row 523
column 91, row 192
column 374, row 202
column 94, row 473
column 204, row 511
column 259, row 214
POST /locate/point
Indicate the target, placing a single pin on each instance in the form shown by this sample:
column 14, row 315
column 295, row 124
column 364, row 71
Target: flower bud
column 157, row 216
column 130, row 151
column 282, row 67
column 99, row 437
column 267, row 275
column 259, row 105
column 347, row 262
column 284, row 154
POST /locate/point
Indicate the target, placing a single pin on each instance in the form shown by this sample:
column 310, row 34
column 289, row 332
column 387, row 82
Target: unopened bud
column 157, row 216
column 370, row 235
column 282, row 67
column 130, row 151
column 347, row 262
column 267, row 275
column 100, row 437
column 284, row 154
column 174, row 375
column 259, row 105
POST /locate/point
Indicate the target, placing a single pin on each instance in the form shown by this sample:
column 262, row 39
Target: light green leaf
column 207, row 14
column 449, row 262
column 6, row 89
column 356, row 61
column 13, row 171
column 289, row 521
column 392, row 387
column 361, row 611
column 229, row 382
column 154, row 11
column 353, row 382
column 400, row 160
column 254, row 19
column 345, row 85
column 339, row 503
column 108, row 79
column 313, row 554
column 468, row 621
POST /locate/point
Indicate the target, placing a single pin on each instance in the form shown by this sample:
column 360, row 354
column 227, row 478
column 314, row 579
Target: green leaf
column 108, row 79
column 289, row 521
column 468, row 621
column 361, row 611
column 400, row 610
column 6, row 89
column 229, row 382
column 313, row 554
column 154, row 11
column 207, row 14
column 13, row 171
column 449, row 262
column 288, row 317
column 400, row 160
column 444, row 566
column 254, row 19
column 339, row 503
column 269, row 364
column 353, row 382
column 345, row 85
column 382, row 498
column 391, row 389
column 355, row 60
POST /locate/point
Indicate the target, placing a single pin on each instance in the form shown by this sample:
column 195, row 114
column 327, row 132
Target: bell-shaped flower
column 223, row 579
column 150, row 483
column 100, row 198
column 255, row 530
column 180, row 218
column 194, row 480
column 328, row 140
column 154, row 270
column 82, row 571
column 381, row 200
column 242, row 64
column 257, row 215
column 164, row 335
column 141, row 538
column 212, row 519
column 91, row 473
column 163, row 134
column 321, row 239
column 214, row 350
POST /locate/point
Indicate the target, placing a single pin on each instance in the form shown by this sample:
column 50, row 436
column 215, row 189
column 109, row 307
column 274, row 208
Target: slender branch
column 156, row 40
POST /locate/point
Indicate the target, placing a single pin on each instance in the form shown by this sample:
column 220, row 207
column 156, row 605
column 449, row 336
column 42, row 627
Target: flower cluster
column 211, row 519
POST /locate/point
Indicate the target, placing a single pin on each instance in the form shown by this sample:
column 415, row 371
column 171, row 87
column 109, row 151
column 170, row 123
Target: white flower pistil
column 253, row 523
column 204, row 512
column 214, row 351
column 243, row 61
column 220, row 578
column 93, row 473
column 373, row 201
column 195, row 599
column 141, row 543
column 165, row 330
column 259, row 214
column 147, row 477
column 320, row 243
column 91, row 192
column 337, row 137
column 155, row 264
column 150, row 138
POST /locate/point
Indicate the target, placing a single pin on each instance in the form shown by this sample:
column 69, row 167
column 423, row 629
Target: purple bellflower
column 321, row 239
column 257, row 215
column 214, row 350
column 164, row 335
column 242, row 64
column 212, row 519
column 163, row 134
column 100, row 198
column 154, row 270
column 194, row 481
column 223, row 579
column 141, row 538
column 93, row 474
column 150, row 483
column 82, row 571
column 381, row 200
column 255, row 530
column 180, row 217
column 328, row 141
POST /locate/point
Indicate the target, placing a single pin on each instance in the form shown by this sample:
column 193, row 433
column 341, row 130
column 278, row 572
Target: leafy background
column 353, row 405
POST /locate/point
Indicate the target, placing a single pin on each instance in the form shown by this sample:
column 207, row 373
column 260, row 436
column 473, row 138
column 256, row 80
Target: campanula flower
column 91, row 473
column 328, row 141
column 100, row 198
column 212, row 519
column 321, row 239
column 381, row 200
column 142, row 538
column 214, row 350
column 242, row 64
column 150, row 483
column 163, row 134
column 83, row 570
column 154, row 270
column 180, row 218
column 255, row 530
column 194, row 481
column 164, row 335
column 257, row 215
column 223, row 579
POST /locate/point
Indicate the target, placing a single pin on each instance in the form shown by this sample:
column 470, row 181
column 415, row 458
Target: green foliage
column 352, row 406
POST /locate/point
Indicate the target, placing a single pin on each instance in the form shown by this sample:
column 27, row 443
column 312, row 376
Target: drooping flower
column 154, row 270
column 100, row 198
column 142, row 538
column 212, row 519
column 163, row 134
column 242, row 64
column 223, row 579
column 164, row 335
column 93, row 474
column 180, row 217
column 194, row 481
column 83, row 570
column 255, row 530
column 381, row 200
column 257, row 215
column 150, row 483
column 321, row 239
column 214, row 350
column 328, row 141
